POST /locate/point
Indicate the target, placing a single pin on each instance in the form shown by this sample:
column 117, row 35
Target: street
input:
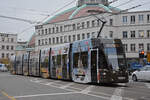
column 15, row 87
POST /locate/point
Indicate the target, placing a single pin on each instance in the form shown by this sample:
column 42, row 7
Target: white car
column 3, row 68
column 142, row 74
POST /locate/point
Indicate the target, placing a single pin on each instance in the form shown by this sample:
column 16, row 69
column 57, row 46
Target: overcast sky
column 36, row 10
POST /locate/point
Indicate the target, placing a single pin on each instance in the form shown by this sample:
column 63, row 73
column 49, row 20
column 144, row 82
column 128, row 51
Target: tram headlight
column 104, row 73
column 114, row 72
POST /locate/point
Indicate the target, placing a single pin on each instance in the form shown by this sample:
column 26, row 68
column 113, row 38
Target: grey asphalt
column 32, row 88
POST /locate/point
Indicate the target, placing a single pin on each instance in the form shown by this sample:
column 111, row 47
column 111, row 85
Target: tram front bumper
column 114, row 78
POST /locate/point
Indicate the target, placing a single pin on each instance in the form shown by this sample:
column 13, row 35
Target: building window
column 61, row 39
column 148, row 47
column 148, row 33
column 132, row 19
column 78, row 37
column 111, row 34
column 78, row 26
column 65, row 39
column 42, row 32
column 124, row 19
column 132, row 47
column 39, row 42
column 12, row 40
column 141, row 18
column 69, row 38
column 98, row 22
column 83, row 36
column 8, row 39
column 3, row 47
column 66, row 27
column 7, row 47
column 3, row 55
column 12, row 47
column 111, row 22
column 88, row 35
column 46, row 31
column 38, row 32
column 53, row 40
column 49, row 30
column 132, row 34
column 42, row 41
column 7, row 55
column 49, row 40
column 53, row 30
column 141, row 33
column 83, row 25
column 45, row 41
column 3, row 39
column 74, row 37
column 74, row 26
column 88, row 24
column 93, row 23
column 125, row 47
column 61, row 28
column 125, row 34
column 148, row 18
column 141, row 46
column 57, row 29
column 57, row 40
column 93, row 34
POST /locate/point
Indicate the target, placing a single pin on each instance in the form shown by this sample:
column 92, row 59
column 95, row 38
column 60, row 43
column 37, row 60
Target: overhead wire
column 48, row 16
column 124, row 3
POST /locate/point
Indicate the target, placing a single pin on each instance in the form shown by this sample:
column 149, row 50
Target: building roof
column 80, row 11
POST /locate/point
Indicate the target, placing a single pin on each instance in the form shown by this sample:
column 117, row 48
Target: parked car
column 3, row 68
column 142, row 74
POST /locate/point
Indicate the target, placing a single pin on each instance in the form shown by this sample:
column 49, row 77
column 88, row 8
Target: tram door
column 94, row 65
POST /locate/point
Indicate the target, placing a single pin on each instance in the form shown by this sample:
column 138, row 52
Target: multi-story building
column 79, row 22
column 8, row 44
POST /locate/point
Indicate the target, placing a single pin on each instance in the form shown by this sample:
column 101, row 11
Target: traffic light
column 141, row 54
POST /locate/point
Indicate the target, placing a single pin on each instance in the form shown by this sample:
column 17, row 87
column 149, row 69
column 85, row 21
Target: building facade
column 79, row 23
column 8, row 43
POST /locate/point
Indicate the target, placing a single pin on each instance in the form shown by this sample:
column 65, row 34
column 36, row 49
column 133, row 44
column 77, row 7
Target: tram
column 94, row 60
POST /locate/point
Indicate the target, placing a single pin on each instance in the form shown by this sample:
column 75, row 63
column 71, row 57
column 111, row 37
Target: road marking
column 98, row 96
column 50, row 83
column 5, row 75
column 87, row 90
column 38, row 95
column 117, row 95
column 148, row 85
column 10, row 97
column 67, row 85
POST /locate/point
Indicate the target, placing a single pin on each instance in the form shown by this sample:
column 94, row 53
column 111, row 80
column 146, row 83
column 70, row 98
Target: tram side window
column 54, row 61
column 45, row 62
column 64, row 60
column 75, row 60
column 84, row 57
column 81, row 60
column 59, row 61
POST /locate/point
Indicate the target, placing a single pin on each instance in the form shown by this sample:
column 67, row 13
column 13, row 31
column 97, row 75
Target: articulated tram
column 94, row 60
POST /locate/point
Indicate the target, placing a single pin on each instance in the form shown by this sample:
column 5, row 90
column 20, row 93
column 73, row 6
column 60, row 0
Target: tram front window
column 116, row 58
column 112, row 57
